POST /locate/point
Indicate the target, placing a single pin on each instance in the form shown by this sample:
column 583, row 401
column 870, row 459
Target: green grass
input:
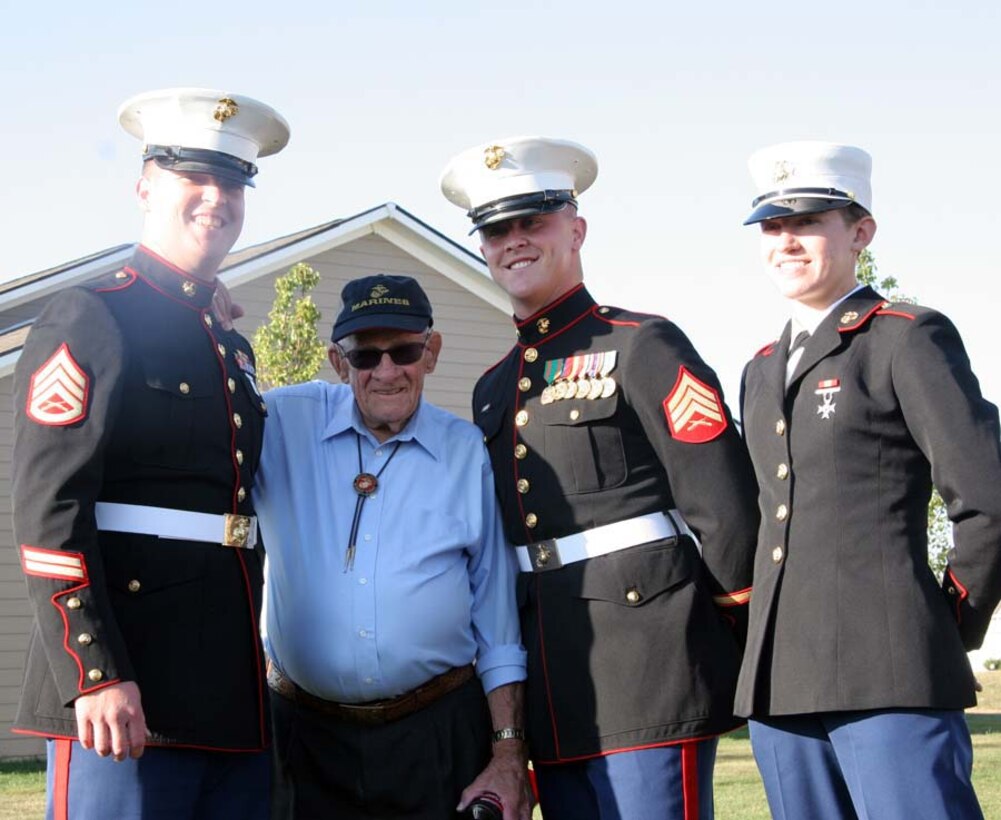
column 739, row 794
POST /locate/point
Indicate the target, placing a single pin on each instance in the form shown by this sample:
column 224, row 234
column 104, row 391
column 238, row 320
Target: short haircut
column 854, row 213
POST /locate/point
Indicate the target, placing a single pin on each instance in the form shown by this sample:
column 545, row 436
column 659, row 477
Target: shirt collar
column 171, row 280
column 419, row 429
column 554, row 316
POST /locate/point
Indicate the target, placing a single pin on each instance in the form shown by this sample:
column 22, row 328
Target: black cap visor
column 512, row 207
column 202, row 161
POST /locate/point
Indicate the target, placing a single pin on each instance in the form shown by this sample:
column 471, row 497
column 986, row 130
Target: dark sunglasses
column 368, row 358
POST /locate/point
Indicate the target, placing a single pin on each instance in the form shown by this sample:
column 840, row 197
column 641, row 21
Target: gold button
column 531, row 354
column 241, row 494
column 121, row 275
column 603, row 309
column 523, row 485
column 522, row 418
column 239, row 456
column 520, row 451
column 237, row 420
column 574, row 414
column 231, row 384
column 134, row 585
column 184, row 387
column 221, row 348
column 951, row 590
column 633, row 596
column 73, row 603
column 782, row 473
column 189, row 288
column 531, row 520
column 524, row 384
column 208, row 320
column 780, row 427
column 95, row 675
column 777, row 555
column 782, row 513
column 85, row 639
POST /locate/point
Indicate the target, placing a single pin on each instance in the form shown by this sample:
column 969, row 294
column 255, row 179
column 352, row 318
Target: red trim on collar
column 865, row 317
column 556, row 333
column 550, row 306
column 167, row 263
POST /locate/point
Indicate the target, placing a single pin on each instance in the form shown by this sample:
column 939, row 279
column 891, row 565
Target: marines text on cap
column 382, row 302
column 517, row 176
column 200, row 130
column 809, row 177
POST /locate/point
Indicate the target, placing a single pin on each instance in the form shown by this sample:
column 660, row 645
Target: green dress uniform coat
column 127, row 391
column 846, row 614
column 639, row 647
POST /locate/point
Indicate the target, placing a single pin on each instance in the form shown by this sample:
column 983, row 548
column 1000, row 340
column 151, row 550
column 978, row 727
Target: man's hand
column 111, row 721
column 224, row 308
column 506, row 775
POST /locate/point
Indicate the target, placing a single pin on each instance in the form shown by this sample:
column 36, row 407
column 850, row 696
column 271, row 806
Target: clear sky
column 672, row 98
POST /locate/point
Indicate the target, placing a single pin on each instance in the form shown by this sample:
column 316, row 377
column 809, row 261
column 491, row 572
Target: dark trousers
column 897, row 764
column 414, row 768
column 163, row 784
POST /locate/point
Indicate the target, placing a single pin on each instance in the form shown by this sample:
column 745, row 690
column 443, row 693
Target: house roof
column 389, row 220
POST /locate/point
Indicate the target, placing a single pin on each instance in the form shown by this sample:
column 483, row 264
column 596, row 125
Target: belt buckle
column 545, row 555
column 238, row 530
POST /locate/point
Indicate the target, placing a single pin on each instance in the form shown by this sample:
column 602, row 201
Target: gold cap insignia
column 543, row 325
column 848, row 317
column 782, row 171
column 379, row 291
column 225, row 109
column 493, row 157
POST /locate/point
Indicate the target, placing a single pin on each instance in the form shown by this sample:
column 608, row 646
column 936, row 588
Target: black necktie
column 799, row 341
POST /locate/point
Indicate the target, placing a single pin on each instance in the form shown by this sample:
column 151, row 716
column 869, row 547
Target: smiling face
column 192, row 220
column 536, row 258
column 811, row 257
column 388, row 395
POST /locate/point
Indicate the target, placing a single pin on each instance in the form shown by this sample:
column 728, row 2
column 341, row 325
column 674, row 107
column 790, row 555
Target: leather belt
column 376, row 712
column 180, row 525
column 554, row 553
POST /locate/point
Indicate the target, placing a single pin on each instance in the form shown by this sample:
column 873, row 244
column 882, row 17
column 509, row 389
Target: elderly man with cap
column 383, row 533
column 627, row 487
column 855, row 673
column 137, row 432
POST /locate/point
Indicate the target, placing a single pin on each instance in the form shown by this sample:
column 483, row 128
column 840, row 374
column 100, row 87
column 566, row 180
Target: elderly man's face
column 388, row 394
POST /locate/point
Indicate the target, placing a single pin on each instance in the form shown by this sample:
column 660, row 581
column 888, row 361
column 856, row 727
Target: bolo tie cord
column 365, row 484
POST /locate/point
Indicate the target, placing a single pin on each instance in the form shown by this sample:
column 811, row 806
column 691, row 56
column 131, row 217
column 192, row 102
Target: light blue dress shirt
column 432, row 585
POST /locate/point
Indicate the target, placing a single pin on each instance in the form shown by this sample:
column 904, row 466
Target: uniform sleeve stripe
column 44, row 563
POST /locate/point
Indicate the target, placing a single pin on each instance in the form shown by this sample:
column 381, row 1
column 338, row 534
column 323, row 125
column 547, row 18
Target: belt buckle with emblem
column 238, row 529
column 545, row 555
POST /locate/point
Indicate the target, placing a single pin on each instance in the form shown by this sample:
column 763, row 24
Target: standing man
column 137, row 432
column 628, row 490
column 855, row 673
column 391, row 606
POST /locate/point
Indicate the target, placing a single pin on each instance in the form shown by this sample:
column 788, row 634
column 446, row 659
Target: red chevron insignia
column 694, row 411
column 58, row 392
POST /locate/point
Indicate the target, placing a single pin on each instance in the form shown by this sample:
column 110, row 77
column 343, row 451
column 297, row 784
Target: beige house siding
column 476, row 335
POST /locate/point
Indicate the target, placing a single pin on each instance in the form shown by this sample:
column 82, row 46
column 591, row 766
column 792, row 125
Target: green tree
column 939, row 526
column 288, row 348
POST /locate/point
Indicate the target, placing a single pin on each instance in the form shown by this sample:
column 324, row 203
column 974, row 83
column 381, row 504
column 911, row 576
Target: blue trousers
column 897, row 764
column 664, row 783
column 163, row 784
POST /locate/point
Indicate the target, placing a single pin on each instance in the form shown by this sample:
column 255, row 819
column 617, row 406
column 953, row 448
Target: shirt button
column 379, row 453
column 241, row 494
column 524, row 384
column 777, row 555
column 362, row 633
column 522, row 418
column 73, row 603
column 780, row 427
column 239, row 456
column 231, row 384
column 782, row 473
column 363, row 581
column 237, row 420
column 782, row 513
column 523, row 485
column 85, row 639
column 134, row 585
column 368, row 536
column 208, row 320
column 520, row 451
column 184, row 387
column 95, row 675
column 531, row 520
column 221, row 348
column 531, row 354
column 369, row 680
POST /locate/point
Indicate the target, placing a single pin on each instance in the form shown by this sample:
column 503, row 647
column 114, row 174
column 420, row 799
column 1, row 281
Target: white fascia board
column 68, row 278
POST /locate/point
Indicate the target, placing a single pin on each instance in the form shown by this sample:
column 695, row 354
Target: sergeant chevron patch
column 694, row 411
column 57, row 395
column 62, row 566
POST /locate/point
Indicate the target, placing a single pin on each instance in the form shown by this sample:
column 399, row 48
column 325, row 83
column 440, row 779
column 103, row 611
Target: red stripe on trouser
column 690, row 779
column 61, row 780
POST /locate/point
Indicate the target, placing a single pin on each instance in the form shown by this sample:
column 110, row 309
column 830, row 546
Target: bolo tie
column 365, row 484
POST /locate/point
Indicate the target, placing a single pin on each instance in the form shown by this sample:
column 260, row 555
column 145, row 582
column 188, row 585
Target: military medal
column 552, row 368
column 607, row 366
column 596, row 383
column 826, row 390
column 571, row 371
column 364, row 484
